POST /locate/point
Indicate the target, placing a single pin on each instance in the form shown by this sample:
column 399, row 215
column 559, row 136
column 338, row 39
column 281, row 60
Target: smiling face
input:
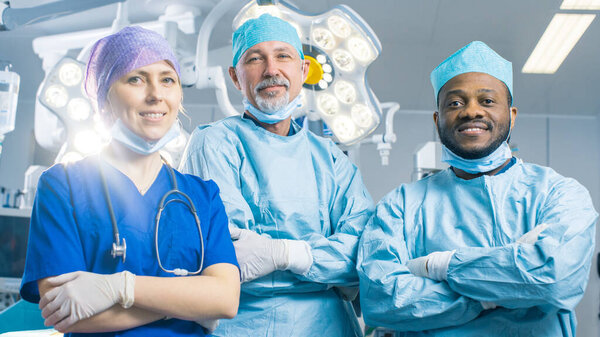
column 270, row 74
column 147, row 100
column 474, row 115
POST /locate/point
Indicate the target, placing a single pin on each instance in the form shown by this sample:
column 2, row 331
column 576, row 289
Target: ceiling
column 416, row 35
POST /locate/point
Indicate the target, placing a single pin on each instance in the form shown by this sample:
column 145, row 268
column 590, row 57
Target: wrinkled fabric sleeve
column 220, row 163
column 552, row 272
column 390, row 295
column 54, row 246
column 334, row 256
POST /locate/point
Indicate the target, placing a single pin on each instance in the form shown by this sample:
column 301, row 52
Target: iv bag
column 9, row 94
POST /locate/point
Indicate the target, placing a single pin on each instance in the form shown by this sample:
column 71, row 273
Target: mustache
column 271, row 81
column 489, row 124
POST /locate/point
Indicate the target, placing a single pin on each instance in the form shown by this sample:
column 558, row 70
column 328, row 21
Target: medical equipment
column 428, row 160
column 119, row 247
column 9, row 94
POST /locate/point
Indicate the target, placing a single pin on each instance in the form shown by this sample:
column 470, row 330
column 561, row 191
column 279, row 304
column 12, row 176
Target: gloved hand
column 209, row 325
column 433, row 266
column 79, row 295
column 532, row 236
column 258, row 255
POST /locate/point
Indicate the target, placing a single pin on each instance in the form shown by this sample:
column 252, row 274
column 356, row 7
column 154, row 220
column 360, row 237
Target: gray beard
column 271, row 105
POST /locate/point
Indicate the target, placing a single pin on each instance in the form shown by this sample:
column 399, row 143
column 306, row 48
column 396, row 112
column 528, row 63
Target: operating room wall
column 568, row 144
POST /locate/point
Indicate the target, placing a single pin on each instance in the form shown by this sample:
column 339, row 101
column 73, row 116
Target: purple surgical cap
column 115, row 55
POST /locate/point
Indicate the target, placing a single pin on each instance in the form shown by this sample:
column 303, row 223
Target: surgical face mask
column 121, row 133
column 276, row 116
column 474, row 166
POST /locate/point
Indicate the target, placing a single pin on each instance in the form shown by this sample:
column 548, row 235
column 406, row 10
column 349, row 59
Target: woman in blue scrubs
column 133, row 77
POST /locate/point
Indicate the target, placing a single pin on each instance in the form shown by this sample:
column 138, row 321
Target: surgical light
column 70, row 74
column 360, row 49
column 361, row 115
column 345, row 92
column 323, row 38
column 339, row 26
column 344, row 128
column 340, row 46
column 61, row 93
column 343, row 60
column 79, row 109
column 327, row 104
column 56, row 96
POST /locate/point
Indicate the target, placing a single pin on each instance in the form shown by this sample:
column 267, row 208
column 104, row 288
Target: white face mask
column 121, row 133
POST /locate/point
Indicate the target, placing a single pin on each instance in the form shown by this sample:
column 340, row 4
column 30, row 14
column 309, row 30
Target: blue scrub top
column 71, row 230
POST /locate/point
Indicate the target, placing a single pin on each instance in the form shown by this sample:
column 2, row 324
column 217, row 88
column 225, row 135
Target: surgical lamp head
column 118, row 54
column 264, row 28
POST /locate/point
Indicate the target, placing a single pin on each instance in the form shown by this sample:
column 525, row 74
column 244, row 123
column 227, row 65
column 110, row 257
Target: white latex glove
column 259, row 255
column 433, row 266
column 209, row 325
column 79, row 295
column 532, row 236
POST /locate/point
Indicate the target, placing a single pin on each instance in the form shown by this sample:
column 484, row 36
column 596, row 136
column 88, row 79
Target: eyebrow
column 461, row 92
column 259, row 51
column 164, row 72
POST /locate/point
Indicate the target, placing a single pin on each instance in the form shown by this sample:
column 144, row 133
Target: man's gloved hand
column 259, row 255
column 79, row 295
column 532, row 236
column 488, row 305
column 209, row 325
column 433, row 266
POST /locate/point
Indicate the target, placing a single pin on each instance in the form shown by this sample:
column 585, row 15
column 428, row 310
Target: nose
column 271, row 68
column 154, row 92
column 472, row 110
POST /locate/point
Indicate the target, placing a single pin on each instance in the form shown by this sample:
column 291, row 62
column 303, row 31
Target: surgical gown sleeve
column 390, row 295
column 553, row 271
column 350, row 207
column 54, row 245
column 219, row 162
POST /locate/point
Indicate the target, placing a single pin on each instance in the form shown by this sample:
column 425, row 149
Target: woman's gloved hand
column 80, row 295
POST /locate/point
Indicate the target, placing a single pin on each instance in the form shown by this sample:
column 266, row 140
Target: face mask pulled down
column 121, row 133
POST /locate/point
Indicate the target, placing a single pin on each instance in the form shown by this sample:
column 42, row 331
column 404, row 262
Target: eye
column 488, row 101
column 169, row 80
column 253, row 59
column 134, row 80
column 284, row 56
column 454, row 104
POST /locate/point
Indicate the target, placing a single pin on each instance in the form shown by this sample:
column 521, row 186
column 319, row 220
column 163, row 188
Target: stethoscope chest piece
column 119, row 250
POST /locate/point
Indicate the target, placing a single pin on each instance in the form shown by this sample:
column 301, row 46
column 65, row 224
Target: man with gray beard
column 296, row 204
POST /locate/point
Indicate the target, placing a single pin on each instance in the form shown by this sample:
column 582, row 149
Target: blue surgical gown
column 536, row 286
column 71, row 230
column 299, row 187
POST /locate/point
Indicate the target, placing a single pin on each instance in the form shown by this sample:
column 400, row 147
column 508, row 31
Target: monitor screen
column 14, row 231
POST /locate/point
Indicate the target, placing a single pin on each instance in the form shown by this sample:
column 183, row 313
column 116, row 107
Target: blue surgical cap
column 264, row 28
column 474, row 57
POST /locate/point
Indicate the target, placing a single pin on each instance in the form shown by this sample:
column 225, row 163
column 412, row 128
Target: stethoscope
column 119, row 246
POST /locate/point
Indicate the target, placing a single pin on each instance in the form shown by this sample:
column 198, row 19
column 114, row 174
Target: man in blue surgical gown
column 491, row 246
column 296, row 204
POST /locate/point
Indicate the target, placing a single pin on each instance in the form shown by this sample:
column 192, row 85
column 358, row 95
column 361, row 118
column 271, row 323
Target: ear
column 513, row 116
column 436, row 116
column 234, row 78
column 306, row 65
